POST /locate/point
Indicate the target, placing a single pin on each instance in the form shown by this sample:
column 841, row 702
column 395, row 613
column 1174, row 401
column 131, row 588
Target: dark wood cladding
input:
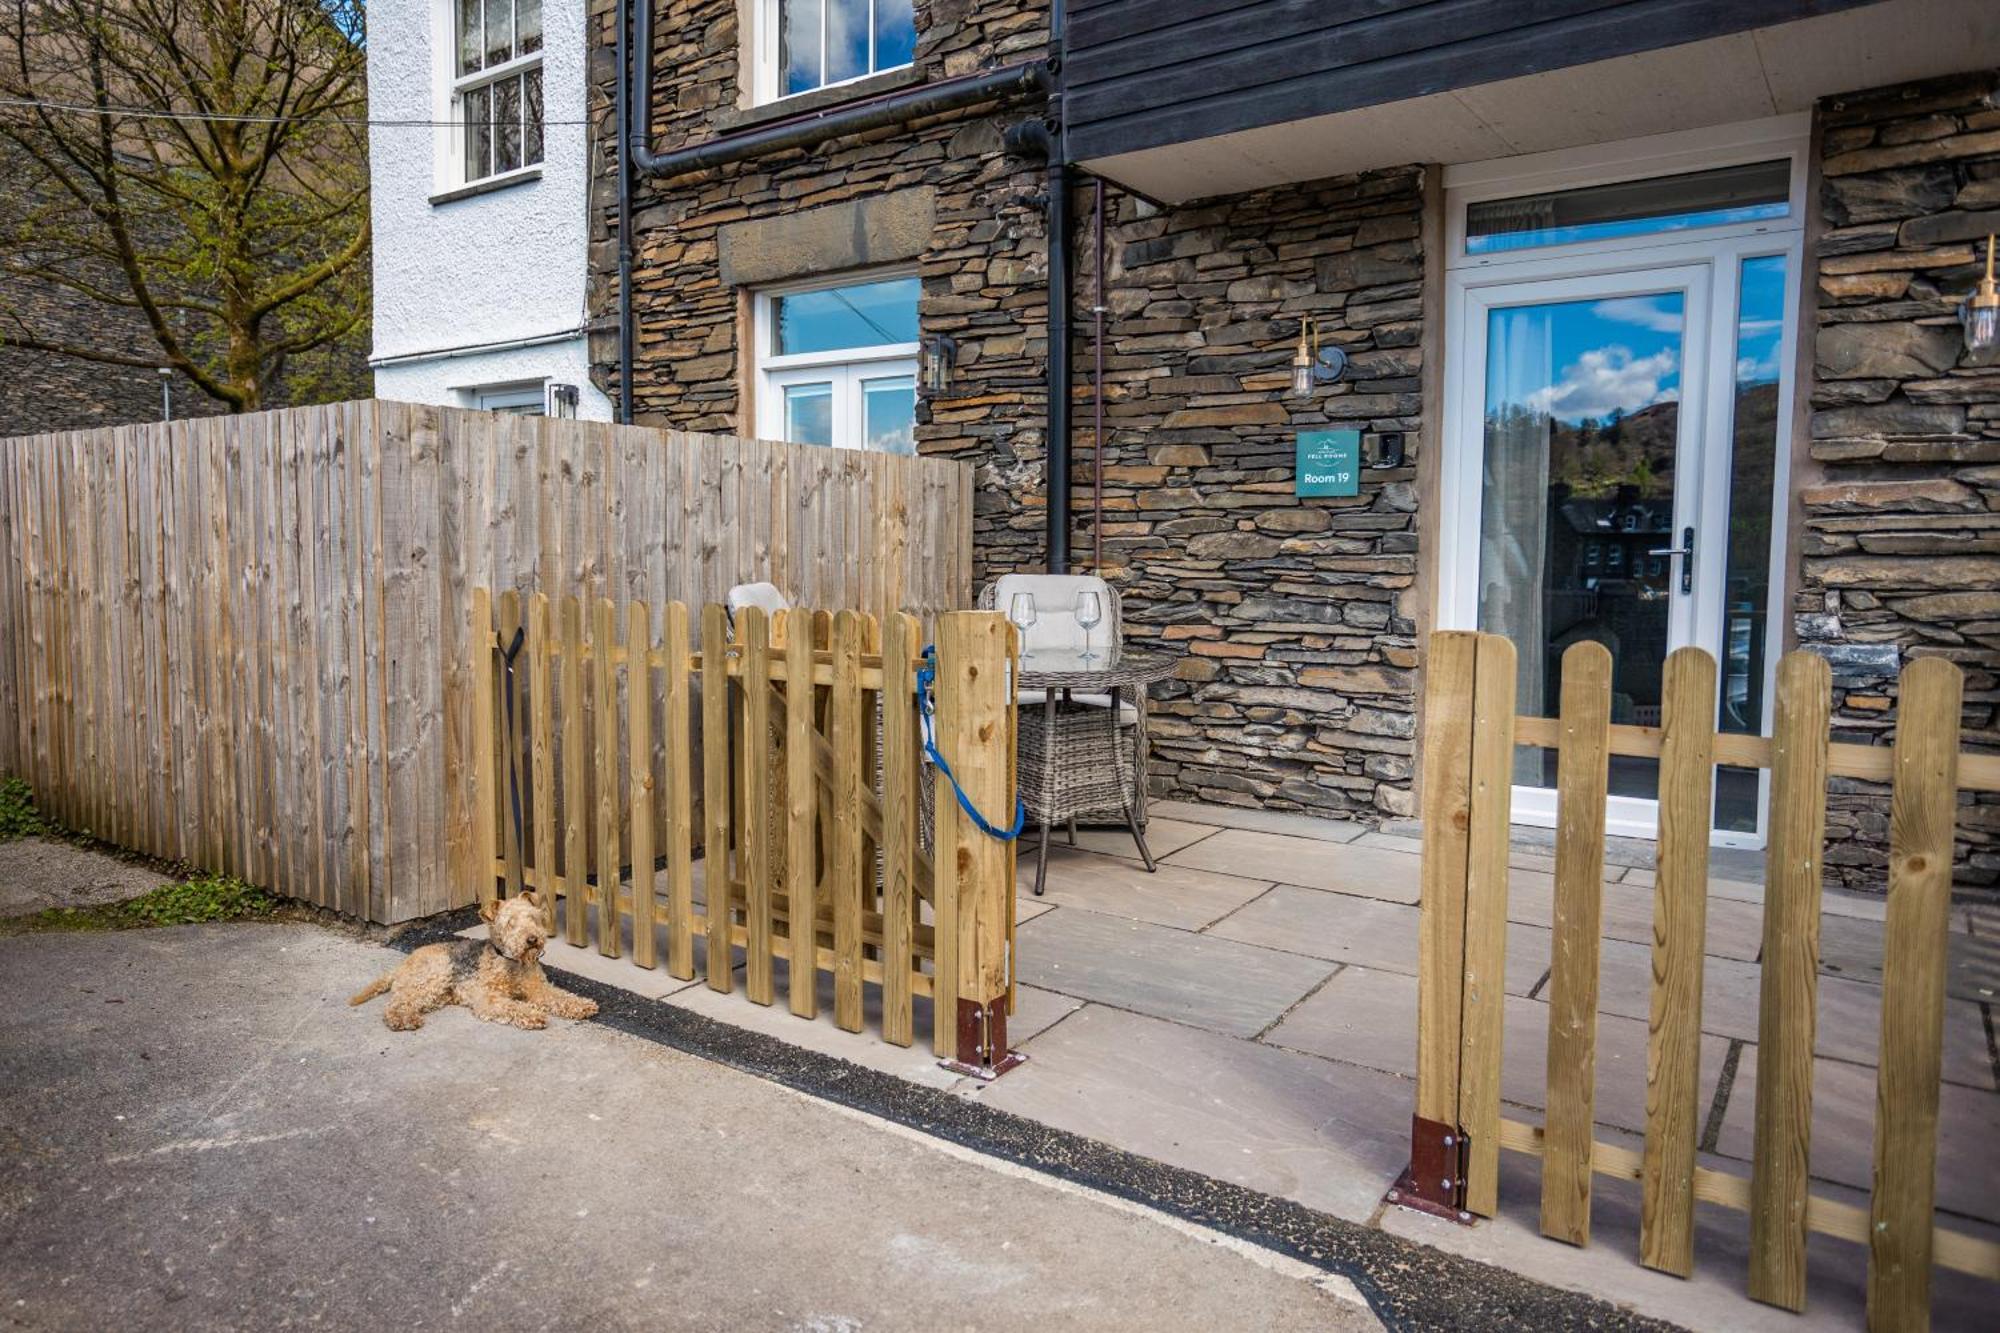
column 1146, row 73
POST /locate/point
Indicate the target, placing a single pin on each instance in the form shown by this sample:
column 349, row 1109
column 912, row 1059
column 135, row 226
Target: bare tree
column 201, row 164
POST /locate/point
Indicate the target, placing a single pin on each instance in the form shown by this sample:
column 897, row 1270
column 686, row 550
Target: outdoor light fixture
column 940, row 355
column 1313, row 365
column 1980, row 312
column 562, row 401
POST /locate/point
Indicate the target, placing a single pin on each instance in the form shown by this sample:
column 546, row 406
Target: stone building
column 1707, row 265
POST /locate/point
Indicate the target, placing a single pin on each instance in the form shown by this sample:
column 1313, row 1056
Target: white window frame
column 507, row 397
column 1635, row 159
column 845, row 368
column 764, row 37
column 456, row 87
column 1646, row 258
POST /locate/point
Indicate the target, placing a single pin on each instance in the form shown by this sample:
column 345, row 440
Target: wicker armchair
column 1078, row 760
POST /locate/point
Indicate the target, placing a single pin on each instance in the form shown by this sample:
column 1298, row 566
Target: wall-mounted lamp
column 1980, row 312
column 1314, row 366
column 940, row 355
column 562, row 401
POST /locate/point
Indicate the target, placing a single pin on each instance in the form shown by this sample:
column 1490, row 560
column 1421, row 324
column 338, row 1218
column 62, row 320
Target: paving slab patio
column 1367, row 1017
column 1163, row 835
column 1366, row 872
column 1333, row 926
column 1263, row 821
column 1843, row 1134
column 1174, row 896
column 1327, row 1136
column 1194, row 979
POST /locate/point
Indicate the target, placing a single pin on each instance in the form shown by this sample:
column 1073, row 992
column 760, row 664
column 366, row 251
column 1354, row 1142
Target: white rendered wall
column 489, row 269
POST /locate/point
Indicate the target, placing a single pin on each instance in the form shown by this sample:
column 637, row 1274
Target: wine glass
column 1089, row 614
column 1021, row 610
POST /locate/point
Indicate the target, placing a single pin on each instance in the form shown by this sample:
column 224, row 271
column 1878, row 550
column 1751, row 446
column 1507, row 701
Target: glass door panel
column 1746, row 593
column 1584, row 496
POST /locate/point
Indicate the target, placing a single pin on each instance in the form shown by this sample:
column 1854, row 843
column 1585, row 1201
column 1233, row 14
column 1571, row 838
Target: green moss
column 203, row 899
column 18, row 816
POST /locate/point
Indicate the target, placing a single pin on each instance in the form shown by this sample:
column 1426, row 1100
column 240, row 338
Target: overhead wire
column 154, row 113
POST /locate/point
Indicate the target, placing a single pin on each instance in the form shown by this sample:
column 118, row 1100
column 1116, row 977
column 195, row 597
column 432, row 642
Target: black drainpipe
column 1034, row 138
column 1028, row 78
column 620, row 115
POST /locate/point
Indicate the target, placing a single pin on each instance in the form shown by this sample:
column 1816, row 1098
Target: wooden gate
column 791, row 753
column 1470, row 730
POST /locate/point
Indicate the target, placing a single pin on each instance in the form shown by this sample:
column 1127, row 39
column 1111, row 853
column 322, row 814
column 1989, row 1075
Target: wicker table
column 1076, row 759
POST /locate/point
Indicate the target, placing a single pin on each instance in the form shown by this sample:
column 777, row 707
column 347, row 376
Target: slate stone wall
column 1901, row 547
column 984, row 266
column 1298, row 615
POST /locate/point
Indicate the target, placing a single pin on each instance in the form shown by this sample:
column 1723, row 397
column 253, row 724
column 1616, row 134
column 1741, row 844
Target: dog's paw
column 574, row 1006
column 530, row 1021
column 399, row 1022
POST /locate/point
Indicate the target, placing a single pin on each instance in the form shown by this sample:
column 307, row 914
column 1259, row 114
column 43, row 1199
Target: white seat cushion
column 764, row 596
column 1055, row 629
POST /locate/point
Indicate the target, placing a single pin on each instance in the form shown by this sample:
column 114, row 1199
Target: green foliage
column 236, row 232
column 18, row 816
column 206, row 898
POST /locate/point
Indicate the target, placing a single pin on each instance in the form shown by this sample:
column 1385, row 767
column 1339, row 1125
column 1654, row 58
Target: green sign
column 1329, row 463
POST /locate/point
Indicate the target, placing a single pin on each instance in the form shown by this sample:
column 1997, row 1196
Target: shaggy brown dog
column 499, row 978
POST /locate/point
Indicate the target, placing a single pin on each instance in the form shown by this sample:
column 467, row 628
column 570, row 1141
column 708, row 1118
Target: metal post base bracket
column 1434, row 1181
column 982, row 1041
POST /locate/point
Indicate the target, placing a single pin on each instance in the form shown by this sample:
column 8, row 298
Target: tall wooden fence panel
column 1458, row 1130
column 243, row 641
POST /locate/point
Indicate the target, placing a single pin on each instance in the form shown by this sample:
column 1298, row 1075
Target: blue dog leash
column 926, row 677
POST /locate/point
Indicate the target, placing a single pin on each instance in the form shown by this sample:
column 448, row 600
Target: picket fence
column 787, row 751
column 1458, row 1131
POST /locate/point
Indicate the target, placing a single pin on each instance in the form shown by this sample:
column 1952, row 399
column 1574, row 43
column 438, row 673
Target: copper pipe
column 1097, row 392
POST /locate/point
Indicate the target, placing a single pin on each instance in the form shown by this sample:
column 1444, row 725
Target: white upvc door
column 1592, row 406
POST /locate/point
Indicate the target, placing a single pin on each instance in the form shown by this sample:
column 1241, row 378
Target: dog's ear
column 531, row 899
column 489, row 909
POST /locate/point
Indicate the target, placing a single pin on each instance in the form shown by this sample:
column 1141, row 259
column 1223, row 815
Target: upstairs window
column 497, row 85
column 808, row 44
column 837, row 365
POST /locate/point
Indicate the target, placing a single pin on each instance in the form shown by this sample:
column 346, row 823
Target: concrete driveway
column 197, row 1132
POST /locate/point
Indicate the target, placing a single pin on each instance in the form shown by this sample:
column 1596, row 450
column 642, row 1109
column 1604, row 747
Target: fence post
column 1915, row 950
column 1780, row 1169
column 974, row 698
column 1482, row 993
column 1435, row 1180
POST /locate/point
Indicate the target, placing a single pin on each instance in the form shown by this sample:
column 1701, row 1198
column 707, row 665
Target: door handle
column 1686, row 552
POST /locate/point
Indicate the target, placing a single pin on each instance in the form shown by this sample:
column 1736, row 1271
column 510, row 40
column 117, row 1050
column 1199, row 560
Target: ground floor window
column 528, row 398
column 837, row 364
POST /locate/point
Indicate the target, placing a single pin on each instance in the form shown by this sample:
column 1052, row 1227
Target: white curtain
column 1514, row 508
